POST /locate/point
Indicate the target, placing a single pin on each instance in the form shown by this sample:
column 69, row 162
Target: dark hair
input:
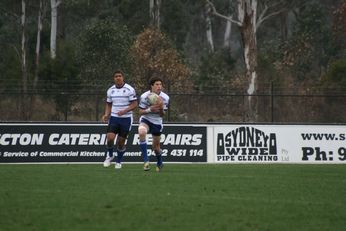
column 118, row 72
column 154, row 79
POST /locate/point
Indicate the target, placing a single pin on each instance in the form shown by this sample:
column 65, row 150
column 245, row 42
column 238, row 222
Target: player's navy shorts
column 154, row 129
column 120, row 126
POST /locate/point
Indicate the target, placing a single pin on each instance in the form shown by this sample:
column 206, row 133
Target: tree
column 102, row 48
column 214, row 72
column 248, row 21
column 21, row 12
column 61, row 80
column 339, row 31
column 10, row 46
column 176, row 19
column 336, row 74
column 154, row 55
column 306, row 52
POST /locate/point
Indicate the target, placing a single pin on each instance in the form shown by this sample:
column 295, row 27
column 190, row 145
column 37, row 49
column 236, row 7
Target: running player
column 151, row 121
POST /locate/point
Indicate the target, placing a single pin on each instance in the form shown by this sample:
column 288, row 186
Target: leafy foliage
column 175, row 23
column 60, row 77
column 10, row 76
column 215, row 70
column 339, row 31
column 10, row 60
column 336, row 74
column 103, row 47
column 152, row 55
column 306, row 51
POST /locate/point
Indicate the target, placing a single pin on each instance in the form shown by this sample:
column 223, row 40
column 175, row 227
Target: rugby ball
column 153, row 98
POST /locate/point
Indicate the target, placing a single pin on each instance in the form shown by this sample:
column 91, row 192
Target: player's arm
column 159, row 108
column 163, row 108
column 144, row 111
column 150, row 109
column 161, row 111
column 108, row 109
column 133, row 105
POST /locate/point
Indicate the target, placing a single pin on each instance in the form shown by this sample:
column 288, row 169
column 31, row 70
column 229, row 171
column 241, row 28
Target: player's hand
column 105, row 118
column 156, row 108
column 120, row 113
column 159, row 104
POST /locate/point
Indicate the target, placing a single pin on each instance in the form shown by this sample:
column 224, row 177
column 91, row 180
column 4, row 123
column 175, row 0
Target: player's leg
column 143, row 129
column 157, row 151
column 124, row 130
column 120, row 151
column 156, row 130
column 110, row 149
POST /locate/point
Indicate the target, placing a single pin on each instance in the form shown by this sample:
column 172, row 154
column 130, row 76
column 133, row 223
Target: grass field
column 182, row 197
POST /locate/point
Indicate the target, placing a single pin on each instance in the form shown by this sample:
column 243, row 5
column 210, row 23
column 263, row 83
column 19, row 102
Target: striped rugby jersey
column 121, row 99
column 155, row 118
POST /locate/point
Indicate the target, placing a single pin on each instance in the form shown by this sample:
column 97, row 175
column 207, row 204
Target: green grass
column 182, row 197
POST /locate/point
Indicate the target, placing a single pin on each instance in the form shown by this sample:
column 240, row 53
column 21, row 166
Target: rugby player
column 120, row 102
column 151, row 121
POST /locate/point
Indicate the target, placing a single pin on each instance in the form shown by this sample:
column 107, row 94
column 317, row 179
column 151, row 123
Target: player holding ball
column 152, row 107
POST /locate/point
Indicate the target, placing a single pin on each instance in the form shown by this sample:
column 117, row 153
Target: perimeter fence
column 274, row 105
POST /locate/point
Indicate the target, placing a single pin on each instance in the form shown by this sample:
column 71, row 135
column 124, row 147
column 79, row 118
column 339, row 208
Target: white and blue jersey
column 152, row 117
column 120, row 98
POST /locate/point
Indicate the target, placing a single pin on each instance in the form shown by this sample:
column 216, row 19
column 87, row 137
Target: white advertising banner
column 279, row 144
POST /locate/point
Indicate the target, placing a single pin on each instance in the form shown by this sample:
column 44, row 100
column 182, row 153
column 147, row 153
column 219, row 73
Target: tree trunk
column 38, row 44
column 208, row 26
column 284, row 25
column 250, row 57
column 247, row 13
column 154, row 10
column 54, row 27
column 37, row 58
column 227, row 35
column 228, row 29
column 24, row 94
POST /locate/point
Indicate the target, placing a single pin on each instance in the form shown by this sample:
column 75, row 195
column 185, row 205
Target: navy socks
column 120, row 155
column 159, row 158
column 144, row 149
column 110, row 152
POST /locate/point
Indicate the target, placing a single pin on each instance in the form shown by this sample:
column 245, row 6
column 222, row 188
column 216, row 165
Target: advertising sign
column 280, row 144
column 237, row 143
column 87, row 143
